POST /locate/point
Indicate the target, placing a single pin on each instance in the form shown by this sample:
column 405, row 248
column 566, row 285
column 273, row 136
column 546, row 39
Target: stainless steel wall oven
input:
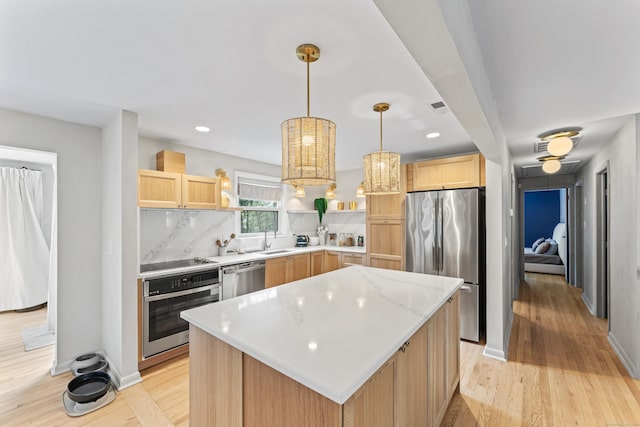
column 164, row 298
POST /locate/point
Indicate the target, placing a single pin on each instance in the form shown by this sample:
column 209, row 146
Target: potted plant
column 320, row 204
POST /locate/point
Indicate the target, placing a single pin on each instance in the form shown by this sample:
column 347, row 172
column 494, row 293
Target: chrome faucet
column 267, row 245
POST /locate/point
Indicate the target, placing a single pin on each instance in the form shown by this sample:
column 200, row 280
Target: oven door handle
column 180, row 293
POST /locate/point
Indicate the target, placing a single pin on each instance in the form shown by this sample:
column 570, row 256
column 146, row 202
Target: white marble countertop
column 235, row 258
column 329, row 332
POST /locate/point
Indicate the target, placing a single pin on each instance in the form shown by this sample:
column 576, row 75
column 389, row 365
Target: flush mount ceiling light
column 560, row 146
column 551, row 166
column 330, row 193
column 225, row 181
column 299, row 190
column 202, row 129
column 360, row 190
column 381, row 168
column 432, row 135
column 559, row 142
column 308, row 143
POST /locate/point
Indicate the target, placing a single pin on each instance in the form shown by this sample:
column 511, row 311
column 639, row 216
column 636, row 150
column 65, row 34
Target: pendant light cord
column 308, row 90
column 380, row 130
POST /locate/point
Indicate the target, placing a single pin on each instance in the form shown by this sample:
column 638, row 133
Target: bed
column 546, row 263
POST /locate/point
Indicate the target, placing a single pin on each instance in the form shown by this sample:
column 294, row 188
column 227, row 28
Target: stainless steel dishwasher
column 240, row 279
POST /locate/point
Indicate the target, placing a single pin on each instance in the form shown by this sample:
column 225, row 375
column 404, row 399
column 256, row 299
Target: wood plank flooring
column 560, row 371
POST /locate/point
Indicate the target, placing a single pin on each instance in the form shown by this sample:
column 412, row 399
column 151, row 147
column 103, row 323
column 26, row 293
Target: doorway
column 602, row 243
column 47, row 163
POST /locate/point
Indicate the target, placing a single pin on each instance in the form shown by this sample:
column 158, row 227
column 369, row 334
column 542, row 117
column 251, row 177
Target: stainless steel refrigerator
column 446, row 237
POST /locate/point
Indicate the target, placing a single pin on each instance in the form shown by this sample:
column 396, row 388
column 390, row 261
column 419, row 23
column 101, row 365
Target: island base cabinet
column 413, row 388
column 273, row 399
column 215, row 381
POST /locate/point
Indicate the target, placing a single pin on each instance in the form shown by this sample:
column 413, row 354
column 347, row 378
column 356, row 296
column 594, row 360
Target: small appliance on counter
column 302, row 241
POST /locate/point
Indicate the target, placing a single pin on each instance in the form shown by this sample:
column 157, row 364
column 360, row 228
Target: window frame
column 238, row 175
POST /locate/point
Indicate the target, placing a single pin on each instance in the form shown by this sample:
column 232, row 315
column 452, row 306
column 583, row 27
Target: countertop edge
column 337, row 398
column 222, row 261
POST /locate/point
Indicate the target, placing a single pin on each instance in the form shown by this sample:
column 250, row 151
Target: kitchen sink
column 274, row 251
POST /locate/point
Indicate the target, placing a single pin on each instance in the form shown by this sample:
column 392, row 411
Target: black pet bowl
column 88, row 387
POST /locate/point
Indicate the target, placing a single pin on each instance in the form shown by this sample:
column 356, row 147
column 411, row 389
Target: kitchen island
column 354, row 347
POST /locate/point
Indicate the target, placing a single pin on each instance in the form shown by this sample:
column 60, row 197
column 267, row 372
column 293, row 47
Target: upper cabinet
column 451, row 172
column 157, row 189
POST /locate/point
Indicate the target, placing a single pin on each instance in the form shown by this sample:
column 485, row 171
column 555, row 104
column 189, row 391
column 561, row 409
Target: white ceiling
column 227, row 65
column 231, row 66
column 554, row 64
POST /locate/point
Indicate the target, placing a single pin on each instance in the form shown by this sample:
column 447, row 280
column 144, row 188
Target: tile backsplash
column 172, row 234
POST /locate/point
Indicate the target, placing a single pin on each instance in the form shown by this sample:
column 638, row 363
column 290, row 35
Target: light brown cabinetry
column 451, row 172
column 317, row 263
column 444, row 357
column 351, row 258
column 386, row 229
column 286, row 269
column 331, row 261
column 412, row 388
column 157, row 189
column 275, row 271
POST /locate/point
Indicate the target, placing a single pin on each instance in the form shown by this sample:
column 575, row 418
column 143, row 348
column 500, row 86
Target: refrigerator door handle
column 465, row 288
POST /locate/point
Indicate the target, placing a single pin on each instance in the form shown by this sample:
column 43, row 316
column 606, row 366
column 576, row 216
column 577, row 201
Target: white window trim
column 282, row 211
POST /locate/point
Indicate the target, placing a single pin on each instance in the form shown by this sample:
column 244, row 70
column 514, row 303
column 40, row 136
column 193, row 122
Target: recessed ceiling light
column 433, row 135
column 202, row 129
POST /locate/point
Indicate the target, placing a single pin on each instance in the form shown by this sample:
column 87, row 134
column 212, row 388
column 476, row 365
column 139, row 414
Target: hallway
column 561, row 370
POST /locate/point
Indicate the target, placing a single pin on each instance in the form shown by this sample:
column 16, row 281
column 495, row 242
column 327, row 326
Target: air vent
column 439, row 107
column 541, row 146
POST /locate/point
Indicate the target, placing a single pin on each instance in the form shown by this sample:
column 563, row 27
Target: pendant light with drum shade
column 381, row 168
column 308, row 143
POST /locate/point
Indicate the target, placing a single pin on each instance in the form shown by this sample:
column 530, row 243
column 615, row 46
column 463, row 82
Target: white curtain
column 24, row 255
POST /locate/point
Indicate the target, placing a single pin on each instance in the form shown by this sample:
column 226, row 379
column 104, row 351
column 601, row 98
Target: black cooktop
column 156, row 266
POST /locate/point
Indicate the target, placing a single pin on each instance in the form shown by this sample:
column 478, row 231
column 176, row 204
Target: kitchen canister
column 340, row 206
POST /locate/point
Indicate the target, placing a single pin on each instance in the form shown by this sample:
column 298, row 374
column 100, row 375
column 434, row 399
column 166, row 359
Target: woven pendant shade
column 308, row 143
column 308, row 151
column 381, row 168
column 382, row 173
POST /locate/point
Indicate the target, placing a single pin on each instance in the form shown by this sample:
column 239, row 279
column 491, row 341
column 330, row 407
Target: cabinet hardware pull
column 404, row 347
column 450, row 299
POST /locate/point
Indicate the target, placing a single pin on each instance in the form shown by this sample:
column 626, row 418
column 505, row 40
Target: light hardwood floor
column 560, row 371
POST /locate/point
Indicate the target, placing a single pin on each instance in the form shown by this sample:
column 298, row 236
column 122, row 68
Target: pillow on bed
column 553, row 248
column 543, row 247
column 536, row 243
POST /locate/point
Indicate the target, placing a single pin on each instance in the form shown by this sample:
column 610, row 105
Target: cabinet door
column 373, row 404
column 411, row 382
column 200, row 192
column 275, row 272
column 298, row 267
column 158, row 189
column 385, row 261
column 453, row 344
column 331, row 261
column 317, row 263
column 451, row 172
column 437, row 351
column 385, row 243
column 347, row 259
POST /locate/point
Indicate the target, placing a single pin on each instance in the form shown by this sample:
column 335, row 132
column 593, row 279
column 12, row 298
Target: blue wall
column 542, row 211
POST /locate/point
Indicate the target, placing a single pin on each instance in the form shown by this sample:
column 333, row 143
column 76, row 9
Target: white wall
column 79, row 229
column 624, row 289
column 120, row 252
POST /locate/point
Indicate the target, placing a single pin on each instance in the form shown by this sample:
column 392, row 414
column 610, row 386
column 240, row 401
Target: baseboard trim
column 494, row 354
column 622, row 355
column 119, row 381
column 508, row 332
column 588, row 304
